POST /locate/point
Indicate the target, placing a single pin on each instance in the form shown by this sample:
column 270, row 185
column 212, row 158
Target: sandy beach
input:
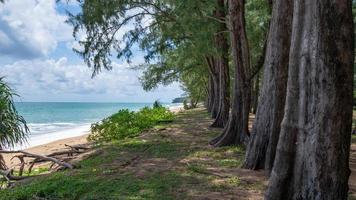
column 49, row 148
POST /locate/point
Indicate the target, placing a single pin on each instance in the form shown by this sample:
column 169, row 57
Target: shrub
column 126, row 124
column 157, row 104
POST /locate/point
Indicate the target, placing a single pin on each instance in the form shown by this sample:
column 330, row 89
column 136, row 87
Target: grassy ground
column 172, row 161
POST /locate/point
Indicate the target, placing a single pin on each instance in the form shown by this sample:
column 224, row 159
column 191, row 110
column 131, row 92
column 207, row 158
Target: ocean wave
column 40, row 139
column 45, row 128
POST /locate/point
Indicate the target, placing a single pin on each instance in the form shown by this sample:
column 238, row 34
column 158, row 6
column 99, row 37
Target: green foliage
column 126, row 124
column 13, row 128
column 174, row 35
column 257, row 21
column 168, row 167
column 157, row 104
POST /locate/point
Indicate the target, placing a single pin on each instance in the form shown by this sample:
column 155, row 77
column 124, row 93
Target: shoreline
column 80, row 130
column 49, row 147
column 43, row 139
column 74, row 136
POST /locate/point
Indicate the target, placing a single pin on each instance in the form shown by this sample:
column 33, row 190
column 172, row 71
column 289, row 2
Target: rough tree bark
column 255, row 93
column 214, row 74
column 211, row 95
column 266, row 128
column 223, row 64
column 236, row 130
column 255, row 77
column 312, row 159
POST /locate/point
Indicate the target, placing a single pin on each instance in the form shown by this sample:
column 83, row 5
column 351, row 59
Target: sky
column 37, row 60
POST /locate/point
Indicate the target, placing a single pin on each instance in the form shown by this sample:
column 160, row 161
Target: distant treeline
column 179, row 100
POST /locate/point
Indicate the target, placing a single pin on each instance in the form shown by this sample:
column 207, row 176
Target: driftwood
column 59, row 159
column 77, row 147
column 37, row 156
column 7, row 174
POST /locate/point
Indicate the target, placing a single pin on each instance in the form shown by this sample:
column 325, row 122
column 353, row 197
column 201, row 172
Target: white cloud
column 32, row 27
column 30, row 30
column 56, row 80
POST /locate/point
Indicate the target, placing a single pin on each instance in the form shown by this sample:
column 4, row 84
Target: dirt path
column 217, row 170
column 207, row 173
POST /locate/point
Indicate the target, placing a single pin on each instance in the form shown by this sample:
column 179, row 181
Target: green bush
column 157, row 104
column 126, row 124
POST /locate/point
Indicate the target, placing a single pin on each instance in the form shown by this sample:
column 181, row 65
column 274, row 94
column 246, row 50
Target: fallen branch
column 77, row 147
column 41, row 157
column 9, row 177
column 59, row 161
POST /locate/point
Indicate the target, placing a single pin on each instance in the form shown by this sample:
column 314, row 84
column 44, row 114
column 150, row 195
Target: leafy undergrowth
column 127, row 124
column 171, row 161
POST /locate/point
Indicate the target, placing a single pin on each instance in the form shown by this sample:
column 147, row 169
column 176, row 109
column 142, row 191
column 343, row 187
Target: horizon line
column 84, row 102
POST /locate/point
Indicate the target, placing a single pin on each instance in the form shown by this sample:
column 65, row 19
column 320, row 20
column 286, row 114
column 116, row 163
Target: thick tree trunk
column 266, row 128
column 255, row 94
column 312, row 159
column 256, row 77
column 223, row 63
column 236, row 131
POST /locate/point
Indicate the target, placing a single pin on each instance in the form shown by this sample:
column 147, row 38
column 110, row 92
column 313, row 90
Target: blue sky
column 36, row 58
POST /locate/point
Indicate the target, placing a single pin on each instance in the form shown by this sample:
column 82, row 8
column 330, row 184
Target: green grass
column 160, row 165
column 35, row 171
column 197, row 168
column 99, row 177
column 231, row 162
column 91, row 185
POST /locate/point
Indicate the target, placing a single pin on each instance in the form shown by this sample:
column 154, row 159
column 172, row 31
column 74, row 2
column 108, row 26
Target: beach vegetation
column 158, row 165
column 291, row 63
column 128, row 124
column 157, row 104
column 13, row 127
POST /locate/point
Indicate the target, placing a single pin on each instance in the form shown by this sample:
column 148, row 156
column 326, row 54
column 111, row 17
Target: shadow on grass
column 161, row 166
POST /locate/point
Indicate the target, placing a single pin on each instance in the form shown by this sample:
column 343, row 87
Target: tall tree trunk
column 236, row 131
column 312, row 159
column 266, row 128
column 216, row 104
column 256, row 76
column 223, row 63
column 211, row 95
column 255, row 95
column 214, row 74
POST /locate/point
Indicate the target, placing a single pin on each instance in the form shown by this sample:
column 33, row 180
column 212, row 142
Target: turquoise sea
column 50, row 121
